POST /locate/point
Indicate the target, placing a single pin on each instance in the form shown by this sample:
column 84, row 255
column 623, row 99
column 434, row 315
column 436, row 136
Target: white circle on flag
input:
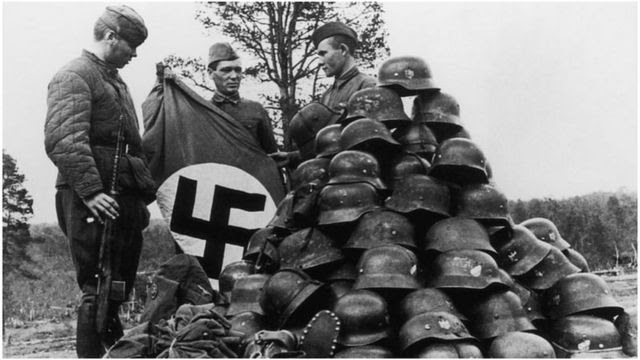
column 207, row 176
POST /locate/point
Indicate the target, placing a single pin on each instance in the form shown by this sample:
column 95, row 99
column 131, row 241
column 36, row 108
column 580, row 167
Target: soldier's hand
column 281, row 158
column 102, row 206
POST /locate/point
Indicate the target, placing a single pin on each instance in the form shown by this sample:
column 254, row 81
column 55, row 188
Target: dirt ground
column 57, row 340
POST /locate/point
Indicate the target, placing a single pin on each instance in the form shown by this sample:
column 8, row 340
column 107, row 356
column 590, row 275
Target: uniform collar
column 109, row 69
column 345, row 77
column 219, row 98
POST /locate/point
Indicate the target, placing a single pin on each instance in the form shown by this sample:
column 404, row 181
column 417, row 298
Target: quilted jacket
column 85, row 99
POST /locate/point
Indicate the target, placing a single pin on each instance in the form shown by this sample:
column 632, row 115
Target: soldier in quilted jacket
column 87, row 100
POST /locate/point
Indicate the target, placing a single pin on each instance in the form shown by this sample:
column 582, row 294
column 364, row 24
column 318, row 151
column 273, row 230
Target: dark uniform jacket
column 337, row 96
column 252, row 116
column 85, row 99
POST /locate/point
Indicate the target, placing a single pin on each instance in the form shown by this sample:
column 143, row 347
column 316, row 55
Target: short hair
column 337, row 40
column 99, row 30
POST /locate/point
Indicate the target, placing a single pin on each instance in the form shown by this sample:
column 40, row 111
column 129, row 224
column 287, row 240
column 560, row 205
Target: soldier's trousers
column 84, row 235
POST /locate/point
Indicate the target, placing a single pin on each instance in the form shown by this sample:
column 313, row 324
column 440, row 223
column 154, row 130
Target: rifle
column 109, row 289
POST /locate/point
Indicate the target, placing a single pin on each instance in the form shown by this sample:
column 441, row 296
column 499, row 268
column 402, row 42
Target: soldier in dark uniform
column 225, row 69
column 335, row 47
column 88, row 105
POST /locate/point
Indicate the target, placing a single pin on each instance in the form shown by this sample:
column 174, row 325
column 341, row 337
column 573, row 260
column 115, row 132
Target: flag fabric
column 216, row 185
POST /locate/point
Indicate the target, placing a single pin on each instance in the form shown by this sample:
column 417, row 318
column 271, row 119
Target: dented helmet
column 435, row 326
column 420, row 194
column 439, row 111
column 231, row 273
column 465, row 269
column 427, row 300
column 522, row 252
column 459, row 161
column 245, row 295
column 550, row 270
column 381, row 227
column 328, row 141
column 364, row 317
column 498, row 313
column 406, row 75
column 546, row 230
column 310, row 250
column 379, row 104
column 345, row 203
column 484, row 203
column 313, row 170
column 306, row 123
column 367, row 133
column 585, row 336
column 418, row 139
column 387, row 267
column 352, row 166
column 581, row 293
column 519, row 345
column 457, row 233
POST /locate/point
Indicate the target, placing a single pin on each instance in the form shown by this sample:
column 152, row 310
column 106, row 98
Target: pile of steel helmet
column 396, row 232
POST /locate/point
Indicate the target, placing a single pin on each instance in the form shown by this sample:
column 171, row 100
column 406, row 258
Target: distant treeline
column 602, row 226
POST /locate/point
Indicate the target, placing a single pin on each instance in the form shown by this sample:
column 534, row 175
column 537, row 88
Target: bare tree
column 278, row 35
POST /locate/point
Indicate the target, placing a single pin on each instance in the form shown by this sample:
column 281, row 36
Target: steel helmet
column 320, row 337
column 364, row 317
column 247, row 323
column 440, row 111
column 498, row 313
column 465, row 269
column 365, row 352
column 406, row 75
column 345, row 203
column 519, row 345
column 283, row 221
column 342, row 278
column 353, row 166
column 532, row 305
column 328, row 141
column 366, row 133
column 435, row 326
column 522, row 252
column 231, row 273
column 443, row 350
column 381, row 227
column 405, row 164
column 457, row 233
column 310, row 250
column 290, row 294
column 261, row 249
column 420, row 194
column 427, row 300
column 387, row 267
column 459, row 161
column 313, row 170
column 484, row 203
column 418, row 139
column 585, row 336
column 379, row 104
column 245, row 295
column 306, row 123
column 546, row 230
column 576, row 259
column 547, row 272
column 578, row 294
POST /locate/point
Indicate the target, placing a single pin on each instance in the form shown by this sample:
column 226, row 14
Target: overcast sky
column 547, row 90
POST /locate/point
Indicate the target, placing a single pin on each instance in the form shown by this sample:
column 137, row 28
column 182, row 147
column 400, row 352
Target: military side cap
column 331, row 29
column 126, row 22
column 221, row 51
